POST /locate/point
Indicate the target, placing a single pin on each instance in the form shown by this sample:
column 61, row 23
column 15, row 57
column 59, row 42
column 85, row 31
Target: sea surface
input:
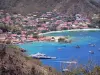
column 68, row 51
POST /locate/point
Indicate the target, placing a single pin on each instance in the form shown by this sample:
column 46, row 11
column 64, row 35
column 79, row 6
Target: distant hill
column 78, row 6
column 63, row 6
column 27, row 6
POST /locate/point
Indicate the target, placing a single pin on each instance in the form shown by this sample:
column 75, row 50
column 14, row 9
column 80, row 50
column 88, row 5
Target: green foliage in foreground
column 28, row 58
column 13, row 46
column 84, row 71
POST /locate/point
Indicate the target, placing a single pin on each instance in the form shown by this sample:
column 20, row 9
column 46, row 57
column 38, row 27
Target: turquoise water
column 68, row 51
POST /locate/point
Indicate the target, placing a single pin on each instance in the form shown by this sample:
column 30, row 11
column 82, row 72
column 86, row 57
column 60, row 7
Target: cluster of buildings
column 42, row 22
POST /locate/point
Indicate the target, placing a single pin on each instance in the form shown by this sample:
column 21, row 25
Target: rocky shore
column 15, row 62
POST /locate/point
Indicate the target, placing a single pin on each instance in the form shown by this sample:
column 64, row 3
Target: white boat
column 41, row 56
column 92, row 45
column 91, row 52
column 65, row 70
column 70, row 62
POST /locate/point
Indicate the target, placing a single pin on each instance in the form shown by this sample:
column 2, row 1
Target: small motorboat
column 65, row 70
column 91, row 52
column 92, row 45
column 71, row 62
column 68, row 62
column 77, row 46
column 41, row 56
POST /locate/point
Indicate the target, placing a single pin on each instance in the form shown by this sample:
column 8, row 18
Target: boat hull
column 44, row 57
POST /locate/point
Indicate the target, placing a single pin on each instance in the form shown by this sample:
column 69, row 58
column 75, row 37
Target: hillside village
column 19, row 28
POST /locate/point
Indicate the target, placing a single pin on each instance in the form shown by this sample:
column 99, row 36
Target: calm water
column 68, row 51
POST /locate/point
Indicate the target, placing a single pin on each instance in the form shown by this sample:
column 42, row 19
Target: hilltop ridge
column 63, row 6
column 78, row 6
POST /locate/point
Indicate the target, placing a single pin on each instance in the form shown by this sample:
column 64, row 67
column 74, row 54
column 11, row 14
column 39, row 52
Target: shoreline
column 94, row 29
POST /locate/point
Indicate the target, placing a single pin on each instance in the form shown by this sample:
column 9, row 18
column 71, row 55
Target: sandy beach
column 94, row 29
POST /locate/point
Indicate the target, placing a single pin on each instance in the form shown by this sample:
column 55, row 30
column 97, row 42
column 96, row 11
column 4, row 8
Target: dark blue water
column 68, row 52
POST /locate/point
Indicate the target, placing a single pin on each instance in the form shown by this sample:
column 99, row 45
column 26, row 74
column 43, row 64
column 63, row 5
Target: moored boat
column 92, row 52
column 41, row 56
column 77, row 46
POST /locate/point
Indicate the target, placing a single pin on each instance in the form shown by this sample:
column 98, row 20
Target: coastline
column 89, row 29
